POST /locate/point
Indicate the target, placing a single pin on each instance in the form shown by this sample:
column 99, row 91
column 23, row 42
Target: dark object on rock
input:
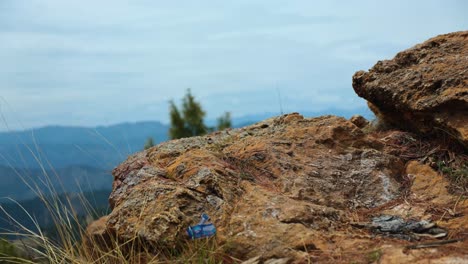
column 359, row 121
column 423, row 89
column 397, row 227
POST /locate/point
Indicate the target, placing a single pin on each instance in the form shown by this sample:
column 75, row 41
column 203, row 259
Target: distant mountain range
column 59, row 159
column 22, row 184
column 60, row 147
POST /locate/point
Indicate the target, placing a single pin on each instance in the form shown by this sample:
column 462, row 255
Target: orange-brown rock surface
column 285, row 188
column 424, row 88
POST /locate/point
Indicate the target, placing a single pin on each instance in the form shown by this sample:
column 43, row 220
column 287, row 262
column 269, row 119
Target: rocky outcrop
column 269, row 188
column 298, row 190
column 424, row 88
column 282, row 188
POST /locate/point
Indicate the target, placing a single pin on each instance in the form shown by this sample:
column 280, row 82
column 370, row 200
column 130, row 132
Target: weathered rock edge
column 423, row 89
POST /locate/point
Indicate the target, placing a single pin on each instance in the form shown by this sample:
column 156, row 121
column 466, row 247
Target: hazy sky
column 102, row 62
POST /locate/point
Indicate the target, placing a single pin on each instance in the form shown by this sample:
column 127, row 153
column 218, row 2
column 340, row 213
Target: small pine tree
column 224, row 121
column 189, row 121
column 149, row 143
column 177, row 129
column 193, row 115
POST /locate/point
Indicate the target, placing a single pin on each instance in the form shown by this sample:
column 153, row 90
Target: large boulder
column 424, row 88
column 271, row 189
column 287, row 188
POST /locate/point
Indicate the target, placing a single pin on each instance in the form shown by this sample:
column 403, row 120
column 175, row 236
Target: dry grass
column 442, row 154
column 74, row 245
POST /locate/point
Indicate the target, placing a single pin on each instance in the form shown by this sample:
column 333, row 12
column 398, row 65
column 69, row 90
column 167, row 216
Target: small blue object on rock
column 202, row 229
